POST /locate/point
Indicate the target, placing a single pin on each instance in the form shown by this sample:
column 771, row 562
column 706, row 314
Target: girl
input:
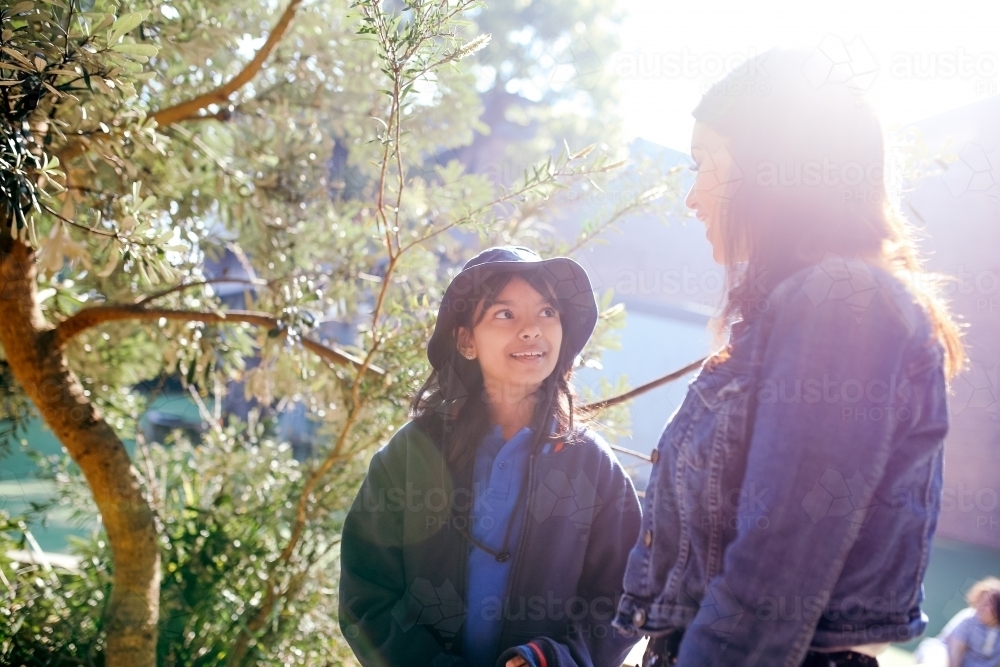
column 491, row 530
column 794, row 493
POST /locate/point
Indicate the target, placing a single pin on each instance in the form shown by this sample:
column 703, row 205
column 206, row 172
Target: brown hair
column 811, row 157
column 990, row 587
column 450, row 406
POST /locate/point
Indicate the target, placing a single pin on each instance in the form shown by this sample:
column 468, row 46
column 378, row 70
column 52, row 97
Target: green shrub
column 225, row 508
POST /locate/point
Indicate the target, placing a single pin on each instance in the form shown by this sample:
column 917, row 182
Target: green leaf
column 148, row 201
column 144, row 50
column 21, row 8
column 16, row 55
column 125, row 24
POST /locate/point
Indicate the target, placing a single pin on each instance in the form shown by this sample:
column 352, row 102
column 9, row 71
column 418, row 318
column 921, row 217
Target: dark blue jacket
column 403, row 558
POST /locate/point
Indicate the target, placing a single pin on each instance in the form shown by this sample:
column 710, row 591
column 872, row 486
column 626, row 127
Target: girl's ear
column 466, row 345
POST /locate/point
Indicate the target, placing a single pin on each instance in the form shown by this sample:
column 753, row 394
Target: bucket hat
column 570, row 283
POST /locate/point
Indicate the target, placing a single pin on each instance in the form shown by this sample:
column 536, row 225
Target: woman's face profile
column 717, row 179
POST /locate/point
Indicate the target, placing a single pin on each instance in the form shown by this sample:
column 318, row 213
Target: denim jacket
column 403, row 559
column 795, row 491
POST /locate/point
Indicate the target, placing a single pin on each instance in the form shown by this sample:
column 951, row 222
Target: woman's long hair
column 810, row 183
column 451, row 406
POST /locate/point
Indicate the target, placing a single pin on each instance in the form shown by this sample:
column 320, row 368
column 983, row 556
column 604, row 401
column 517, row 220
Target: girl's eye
column 549, row 312
column 693, row 167
column 504, row 315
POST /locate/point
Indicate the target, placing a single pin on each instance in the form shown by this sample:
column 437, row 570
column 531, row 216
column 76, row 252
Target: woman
column 492, row 529
column 773, row 531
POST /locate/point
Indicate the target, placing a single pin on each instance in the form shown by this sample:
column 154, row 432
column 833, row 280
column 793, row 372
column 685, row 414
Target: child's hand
column 516, row 662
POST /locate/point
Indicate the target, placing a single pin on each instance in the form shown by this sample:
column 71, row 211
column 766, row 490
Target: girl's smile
column 529, row 356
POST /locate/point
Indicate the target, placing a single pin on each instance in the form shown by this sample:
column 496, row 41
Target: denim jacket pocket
column 705, row 434
column 715, row 420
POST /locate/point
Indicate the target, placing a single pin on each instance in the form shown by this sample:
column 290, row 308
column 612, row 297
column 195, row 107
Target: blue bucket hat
column 569, row 281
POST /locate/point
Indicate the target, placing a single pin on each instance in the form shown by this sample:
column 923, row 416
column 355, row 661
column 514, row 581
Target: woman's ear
column 466, row 346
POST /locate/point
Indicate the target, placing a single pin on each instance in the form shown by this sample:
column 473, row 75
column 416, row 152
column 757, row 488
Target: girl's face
column 716, row 182
column 516, row 340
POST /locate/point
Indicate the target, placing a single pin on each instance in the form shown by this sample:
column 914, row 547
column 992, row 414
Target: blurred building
column 959, row 211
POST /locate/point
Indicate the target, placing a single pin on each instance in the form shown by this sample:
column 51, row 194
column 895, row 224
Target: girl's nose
column 528, row 333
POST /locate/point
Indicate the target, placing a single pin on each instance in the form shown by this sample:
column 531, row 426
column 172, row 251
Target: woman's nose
column 691, row 201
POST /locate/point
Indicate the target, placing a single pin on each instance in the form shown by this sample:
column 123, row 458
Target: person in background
column 977, row 640
column 973, row 634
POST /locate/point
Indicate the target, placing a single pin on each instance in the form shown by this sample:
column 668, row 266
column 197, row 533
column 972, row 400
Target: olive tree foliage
column 139, row 138
column 550, row 65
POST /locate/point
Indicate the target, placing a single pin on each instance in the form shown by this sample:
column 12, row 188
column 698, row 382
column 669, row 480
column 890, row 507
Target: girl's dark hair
column 451, row 405
column 810, row 155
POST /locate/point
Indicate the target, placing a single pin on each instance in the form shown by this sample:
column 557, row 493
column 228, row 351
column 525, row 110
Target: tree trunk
column 40, row 368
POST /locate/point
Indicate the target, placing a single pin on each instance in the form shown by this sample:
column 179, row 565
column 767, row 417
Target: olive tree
column 139, row 138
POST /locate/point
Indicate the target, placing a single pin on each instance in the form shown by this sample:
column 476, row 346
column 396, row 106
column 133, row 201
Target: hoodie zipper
column 515, row 570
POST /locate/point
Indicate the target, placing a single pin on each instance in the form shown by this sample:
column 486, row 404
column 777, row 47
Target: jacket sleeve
column 372, row 584
column 798, row 449
column 592, row 641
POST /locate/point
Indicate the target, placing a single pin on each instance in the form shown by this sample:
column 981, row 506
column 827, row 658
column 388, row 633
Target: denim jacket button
column 639, row 617
column 655, row 456
column 647, row 538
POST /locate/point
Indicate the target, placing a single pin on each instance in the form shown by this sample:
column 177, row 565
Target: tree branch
column 630, row 452
column 90, row 317
column 189, row 109
column 597, row 406
column 201, row 283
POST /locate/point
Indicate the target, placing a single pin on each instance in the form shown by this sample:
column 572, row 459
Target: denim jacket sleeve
column 794, row 560
column 372, row 581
